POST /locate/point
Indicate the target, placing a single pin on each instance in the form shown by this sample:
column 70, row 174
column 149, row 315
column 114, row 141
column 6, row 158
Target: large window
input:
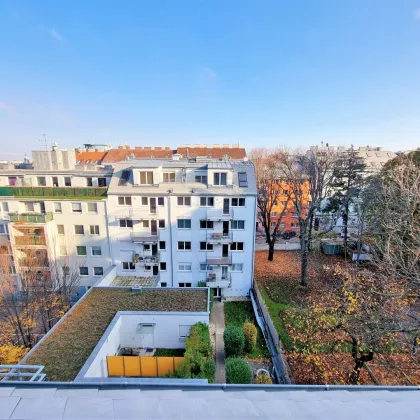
column 98, row 271
column 94, row 229
column 146, row 178
column 60, row 230
column 220, row 178
column 184, row 284
column 124, row 201
column 96, row 251
column 184, row 267
column 201, row 179
column 238, row 268
column 126, row 223
column 128, row 266
column 184, row 223
column 79, row 230
column 41, row 181
column 184, row 201
column 238, row 202
column 206, row 201
column 92, row 207
column 206, row 224
column 67, row 181
column 83, row 271
column 205, row 246
column 237, row 246
column 169, row 177
column 184, row 245
column 237, row 224
column 81, row 251
column 76, row 207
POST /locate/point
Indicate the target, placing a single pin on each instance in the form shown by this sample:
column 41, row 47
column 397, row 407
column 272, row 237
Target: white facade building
column 180, row 223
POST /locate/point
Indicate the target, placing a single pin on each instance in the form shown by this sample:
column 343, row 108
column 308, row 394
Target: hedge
column 250, row 333
column 234, row 341
column 237, row 371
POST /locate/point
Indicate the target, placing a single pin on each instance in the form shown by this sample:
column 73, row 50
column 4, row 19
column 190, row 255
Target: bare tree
column 271, row 196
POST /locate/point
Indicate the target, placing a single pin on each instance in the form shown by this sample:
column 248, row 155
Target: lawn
column 237, row 313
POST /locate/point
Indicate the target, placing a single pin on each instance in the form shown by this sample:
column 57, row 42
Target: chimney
column 138, row 148
column 167, row 148
column 158, row 148
column 235, row 146
column 226, row 146
column 216, row 146
column 121, row 147
column 147, row 148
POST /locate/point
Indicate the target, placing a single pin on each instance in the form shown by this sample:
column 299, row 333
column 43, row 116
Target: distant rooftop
column 66, row 348
column 131, row 281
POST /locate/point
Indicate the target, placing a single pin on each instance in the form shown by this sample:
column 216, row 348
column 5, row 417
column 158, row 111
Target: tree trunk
column 270, row 251
column 304, row 267
column 355, row 374
column 345, row 227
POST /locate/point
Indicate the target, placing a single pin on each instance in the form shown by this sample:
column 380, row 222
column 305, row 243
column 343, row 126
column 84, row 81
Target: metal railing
column 29, row 373
column 219, row 237
column 144, row 237
column 219, row 214
column 31, row 218
column 54, row 191
column 146, row 259
column 222, row 260
column 212, row 278
column 30, row 240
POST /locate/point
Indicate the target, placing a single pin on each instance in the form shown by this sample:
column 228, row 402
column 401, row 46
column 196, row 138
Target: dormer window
column 243, row 180
column 88, row 161
column 220, row 178
column 169, row 177
column 146, row 178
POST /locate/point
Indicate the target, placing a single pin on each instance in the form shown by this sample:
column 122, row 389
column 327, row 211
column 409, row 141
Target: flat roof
column 65, row 349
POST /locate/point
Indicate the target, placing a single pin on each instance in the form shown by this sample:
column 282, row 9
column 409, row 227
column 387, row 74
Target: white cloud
column 4, row 106
column 52, row 33
column 417, row 14
column 207, row 71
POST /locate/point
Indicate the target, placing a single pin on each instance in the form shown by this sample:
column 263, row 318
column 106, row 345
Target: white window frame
column 64, row 231
column 59, row 205
column 92, row 211
column 235, row 270
column 220, row 175
column 80, row 271
column 235, row 223
column 183, row 199
column 147, row 173
column 96, row 230
column 80, row 207
column 238, row 202
column 184, row 242
column 91, row 251
column 185, row 267
column 207, row 246
column 131, row 266
column 184, row 332
column 184, row 221
column 79, row 234
column 125, row 199
column 77, row 250
column 98, row 275
column 207, row 198
column 237, row 250
column 169, row 176
column 142, row 203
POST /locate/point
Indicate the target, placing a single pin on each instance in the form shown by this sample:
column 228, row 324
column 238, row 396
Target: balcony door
column 225, row 250
column 224, row 272
column 154, row 249
column 226, row 228
column 152, row 204
column 155, row 270
column 226, row 206
column 153, row 228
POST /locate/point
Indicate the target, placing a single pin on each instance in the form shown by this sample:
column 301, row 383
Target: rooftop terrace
column 66, row 348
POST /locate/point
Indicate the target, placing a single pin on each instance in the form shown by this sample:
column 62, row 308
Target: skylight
column 243, row 180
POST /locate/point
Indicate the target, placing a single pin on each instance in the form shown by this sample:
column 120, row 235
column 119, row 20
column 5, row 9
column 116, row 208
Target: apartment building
column 177, row 222
column 55, row 218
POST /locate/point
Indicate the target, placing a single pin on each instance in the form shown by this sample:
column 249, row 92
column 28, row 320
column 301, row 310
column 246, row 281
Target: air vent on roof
column 176, row 156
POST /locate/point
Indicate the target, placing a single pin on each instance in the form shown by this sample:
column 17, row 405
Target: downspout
column 107, row 232
column 170, row 238
column 253, row 241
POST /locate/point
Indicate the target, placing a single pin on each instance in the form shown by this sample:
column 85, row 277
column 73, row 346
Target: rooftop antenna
column 44, row 141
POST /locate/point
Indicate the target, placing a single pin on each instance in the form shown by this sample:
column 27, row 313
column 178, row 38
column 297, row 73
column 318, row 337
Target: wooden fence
column 142, row 366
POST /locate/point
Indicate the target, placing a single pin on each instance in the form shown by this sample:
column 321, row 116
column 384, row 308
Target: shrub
column 237, row 371
column 234, row 341
column 208, row 369
column 199, row 339
column 250, row 333
column 263, row 378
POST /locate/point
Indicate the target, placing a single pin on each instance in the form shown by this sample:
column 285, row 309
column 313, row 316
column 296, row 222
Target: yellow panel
column 132, row 365
column 115, row 365
column 177, row 360
column 165, row 365
column 148, row 366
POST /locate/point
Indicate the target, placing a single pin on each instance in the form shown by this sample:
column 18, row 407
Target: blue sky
column 289, row 72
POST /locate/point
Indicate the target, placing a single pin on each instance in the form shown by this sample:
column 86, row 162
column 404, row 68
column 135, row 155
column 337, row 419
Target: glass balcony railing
column 31, row 217
column 93, row 192
column 30, row 240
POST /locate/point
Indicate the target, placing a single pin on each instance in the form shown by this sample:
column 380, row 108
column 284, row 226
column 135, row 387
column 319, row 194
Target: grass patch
column 169, row 352
column 237, row 313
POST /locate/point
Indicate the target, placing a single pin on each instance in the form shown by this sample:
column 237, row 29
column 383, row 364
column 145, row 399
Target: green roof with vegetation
column 90, row 193
column 66, row 349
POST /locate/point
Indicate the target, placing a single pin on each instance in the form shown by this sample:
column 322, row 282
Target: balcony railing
column 30, row 240
column 146, row 237
column 135, row 214
column 31, row 217
column 219, row 214
column 93, row 192
column 219, row 260
column 146, row 259
column 34, row 262
column 219, row 237
column 214, row 280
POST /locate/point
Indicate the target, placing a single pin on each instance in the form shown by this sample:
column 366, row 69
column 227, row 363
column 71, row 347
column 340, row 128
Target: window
column 55, row 181
column 238, row 202
column 128, row 266
column 89, row 182
column 206, row 224
column 146, row 223
column 220, row 178
column 205, row 267
column 96, row 251
column 162, row 223
column 79, row 230
column 41, row 181
column 206, row 201
column 144, row 201
column 146, row 178
column 29, row 206
column 237, row 246
column 163, row 266
column 81, row 251
column 184, row 267
column 124, row 201
column 184, row 284
column 273, row 224
column 76, row 207
column 284, row 214
column 83, row 271
column 273, row 214
column 63, row 250
column 184, row 223
column 88, row 161
column 3, row 230
column 66, row 270
column 60, row 230
column 204, row 246
column 184, row 246
column 184, row 331
column 242, row 178
column 125, row 176
column 126, row 223
column 94, row 229
column 294, row 215
column 202, row 179
column 163, row 284
column 169, row 177
column 58, row 208
column 237, row 224
column 147, row 268
column 92, row 207
column 98, row 271
column 294, row 225
column 101, row 181
column 237, row 268
column 146, row 247
column 67, row 181
column 184, row 201
column 162, row 245
column 12, row 180
column 5, row 208
column 282, row 225
column 161, row 201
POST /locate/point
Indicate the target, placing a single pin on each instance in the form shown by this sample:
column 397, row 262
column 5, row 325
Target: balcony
column 219, row 215
column 218, row 281
column 219, row 260
column 146, row 237
column 146, row 259
column 31, row 217
column 59, row 192
column 30, row 240
column 33, row 263
column 135, row 214
column 219, row 238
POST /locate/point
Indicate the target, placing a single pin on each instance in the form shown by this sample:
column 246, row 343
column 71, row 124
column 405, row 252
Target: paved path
column 217, row 318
